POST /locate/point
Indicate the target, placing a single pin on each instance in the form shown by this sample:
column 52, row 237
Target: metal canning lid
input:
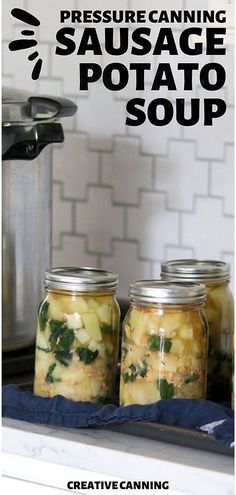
column 80, row 279
column 197, row 270
column 167, row 292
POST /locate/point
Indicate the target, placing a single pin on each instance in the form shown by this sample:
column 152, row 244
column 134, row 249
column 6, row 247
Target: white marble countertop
column 51, row 456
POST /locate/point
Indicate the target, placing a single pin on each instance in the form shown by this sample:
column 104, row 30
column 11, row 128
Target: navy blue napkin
column 202, row 415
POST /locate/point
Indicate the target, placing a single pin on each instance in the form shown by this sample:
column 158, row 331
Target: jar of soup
column 164, row 343
column 77, row 335
column 215, row 275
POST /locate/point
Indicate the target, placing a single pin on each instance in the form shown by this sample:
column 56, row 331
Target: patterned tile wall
column 126, row 198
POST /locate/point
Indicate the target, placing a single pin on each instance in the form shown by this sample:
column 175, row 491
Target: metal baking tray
column 18, row 368
column 153, row 431
column 172, row 434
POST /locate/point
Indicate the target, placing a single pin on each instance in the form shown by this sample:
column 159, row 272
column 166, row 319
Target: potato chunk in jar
column 219, row 310
column 77, row 342
column 164, row 346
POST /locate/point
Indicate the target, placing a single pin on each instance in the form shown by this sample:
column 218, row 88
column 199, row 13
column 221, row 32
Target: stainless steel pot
column 30, row 124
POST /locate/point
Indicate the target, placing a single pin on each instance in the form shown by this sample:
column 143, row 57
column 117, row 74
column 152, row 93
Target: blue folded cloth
column 202, row 415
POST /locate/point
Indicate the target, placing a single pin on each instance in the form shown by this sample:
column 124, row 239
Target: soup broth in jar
column 164, row 343
column 219, row 310
column 77, row 335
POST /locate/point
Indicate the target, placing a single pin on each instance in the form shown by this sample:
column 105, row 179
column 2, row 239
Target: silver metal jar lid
column 167, row 292
column 196, row 270
column 80, row 279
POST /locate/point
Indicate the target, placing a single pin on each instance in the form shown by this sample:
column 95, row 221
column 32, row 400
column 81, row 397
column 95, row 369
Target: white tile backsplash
column 207, row 230
column 155, row 140
column 152, row 4
column 175, row 253
column 61, row 215
column 101, row 116
column 100, row 4
column 100, row 220
column 66, row 71
column 125, row 262
column 210, row 140
column 75, row 165
column 8, row 23
column 18, row 65
column 152, row 225
column 181, row 175
column 73, row 252
column 230, row 79
column 51, row 11
column 126, row 198
column 47, row 86
column 222, row 183
column 126, row 162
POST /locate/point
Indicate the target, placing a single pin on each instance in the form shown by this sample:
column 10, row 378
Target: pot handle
column 20, row 143
column 47, row 107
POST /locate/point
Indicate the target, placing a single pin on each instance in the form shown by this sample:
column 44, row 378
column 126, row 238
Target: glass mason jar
column 164, row 343
column 77, row 335
column 215, row 275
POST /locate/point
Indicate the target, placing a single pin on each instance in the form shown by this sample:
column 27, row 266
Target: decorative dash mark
column 24, row 44
column 27, row 32
column 21, row 44
column 37, row 69
column 33, row 55
column 26, row 17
